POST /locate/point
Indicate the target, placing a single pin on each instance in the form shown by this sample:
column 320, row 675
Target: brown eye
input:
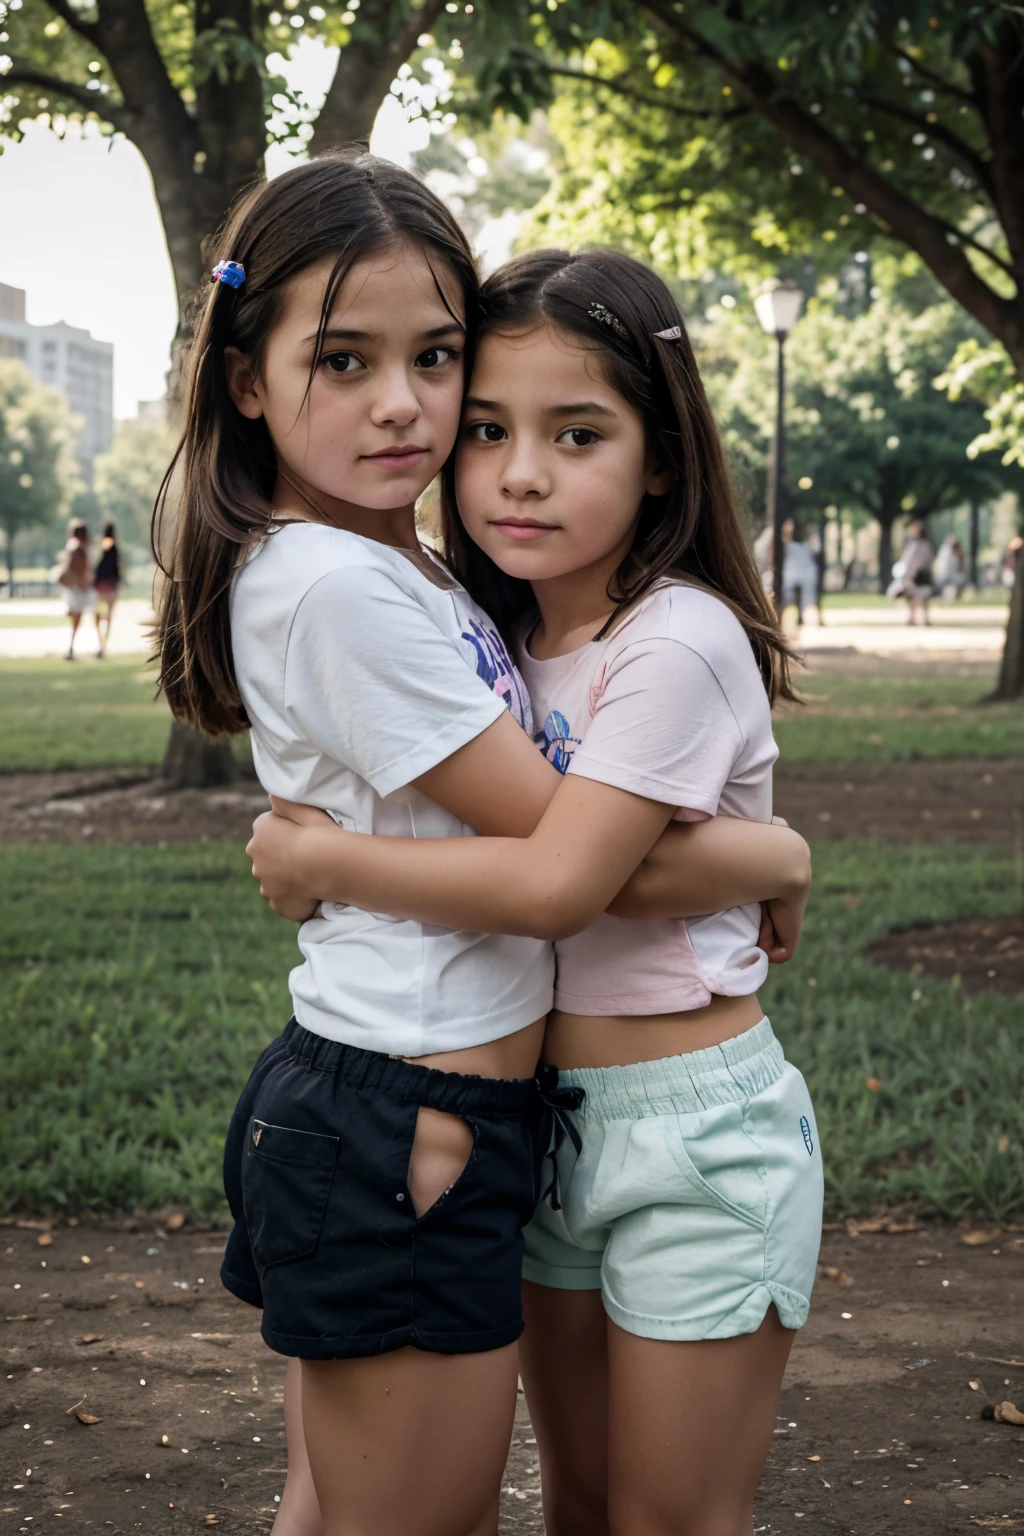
column 433, row 357
column 342, row 362
column 579, row 437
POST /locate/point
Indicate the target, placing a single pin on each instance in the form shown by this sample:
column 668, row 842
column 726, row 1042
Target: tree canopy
column 194, row 84
column 37, row 471
column 129, row 476
column 867, row 429
column 774, row 128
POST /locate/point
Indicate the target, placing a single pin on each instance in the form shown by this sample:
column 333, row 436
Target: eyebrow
column 453, row 328
column 574, row 408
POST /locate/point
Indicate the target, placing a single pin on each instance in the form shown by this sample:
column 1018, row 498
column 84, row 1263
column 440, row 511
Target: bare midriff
column 512, row 1056
column 578, row 1040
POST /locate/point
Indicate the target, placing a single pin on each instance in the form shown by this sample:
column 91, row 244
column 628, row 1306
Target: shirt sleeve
column 662, row 728
column 374, row 683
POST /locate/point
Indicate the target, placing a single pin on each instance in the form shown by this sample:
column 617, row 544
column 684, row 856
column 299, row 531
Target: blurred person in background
column 799, row 566
column 950, row 567
column 799, row 569
column 106, row 582
column 913, row 577
column 74, row 574
column 1008, row 572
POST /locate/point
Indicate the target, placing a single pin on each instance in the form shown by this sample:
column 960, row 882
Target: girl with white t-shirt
column 388, row 1148
column 674, row 1256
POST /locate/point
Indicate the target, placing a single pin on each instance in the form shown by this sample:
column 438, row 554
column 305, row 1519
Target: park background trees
column 776, row 136
column 38, row 476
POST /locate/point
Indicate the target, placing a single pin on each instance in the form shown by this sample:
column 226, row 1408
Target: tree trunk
column 884, row 552
column 1011, row 671
column 193, row 761
column 10, row 560
column 975, row 543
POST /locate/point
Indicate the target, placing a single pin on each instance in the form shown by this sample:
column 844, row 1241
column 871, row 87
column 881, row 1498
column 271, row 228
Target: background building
column 71, row 361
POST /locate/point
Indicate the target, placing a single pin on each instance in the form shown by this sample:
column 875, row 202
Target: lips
column 402, row 456
column 522, row 529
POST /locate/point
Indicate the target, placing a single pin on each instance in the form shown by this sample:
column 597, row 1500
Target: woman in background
column 106, row 581
column 74, row 574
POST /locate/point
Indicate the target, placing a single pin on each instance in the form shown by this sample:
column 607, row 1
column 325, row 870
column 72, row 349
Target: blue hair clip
column 230, row 272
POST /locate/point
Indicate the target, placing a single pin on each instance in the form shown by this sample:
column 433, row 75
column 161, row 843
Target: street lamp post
column 778, row 307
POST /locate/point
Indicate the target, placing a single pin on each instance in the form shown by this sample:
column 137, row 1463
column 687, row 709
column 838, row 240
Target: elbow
column 801, row 873
column 562, row 915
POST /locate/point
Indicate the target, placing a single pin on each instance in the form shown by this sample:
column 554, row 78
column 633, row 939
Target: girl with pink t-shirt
column 673, row 1254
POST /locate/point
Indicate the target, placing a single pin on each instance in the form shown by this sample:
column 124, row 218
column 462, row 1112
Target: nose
column 524, row 476
column 396, row 403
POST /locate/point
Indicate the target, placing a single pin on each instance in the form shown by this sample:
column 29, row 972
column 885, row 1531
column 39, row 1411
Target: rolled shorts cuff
column 792, row 1308
column 563, row 1277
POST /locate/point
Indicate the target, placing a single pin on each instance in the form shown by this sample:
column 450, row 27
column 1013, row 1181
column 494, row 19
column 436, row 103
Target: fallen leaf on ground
column 211, row 1520
column 175, row 1221
column 975, row 1386
column 45, row 1239
column 1008, row 1413
column 21, row 1317
column 893, row 1228
column 92, row 1418
column 978, row 1238
column 90, row 1338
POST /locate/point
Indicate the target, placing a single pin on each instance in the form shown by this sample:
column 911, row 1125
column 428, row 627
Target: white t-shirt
column 670, row 706
column 359, row 673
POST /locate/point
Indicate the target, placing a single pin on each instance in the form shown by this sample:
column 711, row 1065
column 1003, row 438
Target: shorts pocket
column 286, row 1182
column 716, row 1155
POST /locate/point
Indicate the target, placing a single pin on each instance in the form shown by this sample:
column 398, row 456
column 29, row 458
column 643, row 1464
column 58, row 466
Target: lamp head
column 778, row 304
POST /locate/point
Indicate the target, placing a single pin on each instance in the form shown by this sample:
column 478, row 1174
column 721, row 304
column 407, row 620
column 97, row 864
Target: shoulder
column 676, row 615
column 311, row 564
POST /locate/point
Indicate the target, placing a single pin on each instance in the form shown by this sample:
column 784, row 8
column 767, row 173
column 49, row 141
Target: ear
column 242, row 383
column 659, row 481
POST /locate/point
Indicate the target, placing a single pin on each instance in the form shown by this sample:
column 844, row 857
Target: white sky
column 82, row 235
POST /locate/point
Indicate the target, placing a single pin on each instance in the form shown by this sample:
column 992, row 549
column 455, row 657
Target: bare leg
column 299, row 1514
column 690, row 1427
column 563, row 1356
column 410, row 1443
column 75, row 619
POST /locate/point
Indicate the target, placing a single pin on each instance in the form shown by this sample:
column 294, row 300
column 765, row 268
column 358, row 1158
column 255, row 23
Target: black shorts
column 326, row 1239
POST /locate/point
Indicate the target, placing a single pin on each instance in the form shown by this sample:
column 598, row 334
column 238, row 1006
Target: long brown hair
column 347, row 205
column 616, row 305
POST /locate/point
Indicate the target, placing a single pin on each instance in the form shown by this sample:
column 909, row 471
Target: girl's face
column 552, row 464
column 382, row 412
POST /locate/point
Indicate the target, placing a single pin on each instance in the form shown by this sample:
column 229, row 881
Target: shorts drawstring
column 559, row 1102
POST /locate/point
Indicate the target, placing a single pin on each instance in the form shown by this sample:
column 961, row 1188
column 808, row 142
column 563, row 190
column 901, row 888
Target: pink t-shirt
column 670, row 706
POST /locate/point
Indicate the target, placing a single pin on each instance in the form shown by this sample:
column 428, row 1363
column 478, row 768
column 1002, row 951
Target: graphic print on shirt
column 556, row 740
column 495, row 667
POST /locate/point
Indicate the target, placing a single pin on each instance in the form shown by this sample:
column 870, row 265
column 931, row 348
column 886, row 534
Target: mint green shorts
column 696, row 1201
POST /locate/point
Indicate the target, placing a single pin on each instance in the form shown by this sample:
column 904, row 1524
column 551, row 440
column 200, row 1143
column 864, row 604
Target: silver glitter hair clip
column 605, row 316
column 674, row 333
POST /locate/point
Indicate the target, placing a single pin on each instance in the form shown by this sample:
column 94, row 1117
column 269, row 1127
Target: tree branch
column 365, row 71
column 922, row 231
column 71, row 18
column 937, row 80
column 952, row 141
column 91, row 101
column 622, row 88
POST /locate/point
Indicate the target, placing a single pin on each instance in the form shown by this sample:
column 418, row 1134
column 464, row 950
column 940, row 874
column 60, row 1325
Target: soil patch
column 103, row 806
column 927, row 802
column 986, row 953
column 965, row 801
column 881, row 1425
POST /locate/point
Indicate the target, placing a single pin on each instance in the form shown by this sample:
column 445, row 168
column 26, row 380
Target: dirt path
column 968, row 801
column 880, row 1428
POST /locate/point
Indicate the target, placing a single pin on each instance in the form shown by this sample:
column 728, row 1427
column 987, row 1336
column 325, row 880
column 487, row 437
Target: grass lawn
column 140, row 984
column 895, row 716
column 87, row 714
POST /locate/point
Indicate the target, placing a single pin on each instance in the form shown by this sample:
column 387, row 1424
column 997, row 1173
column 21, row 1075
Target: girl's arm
column 550, row 883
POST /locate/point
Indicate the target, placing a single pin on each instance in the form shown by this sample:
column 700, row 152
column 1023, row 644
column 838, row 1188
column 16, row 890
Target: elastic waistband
column 373, row 1072
column 728, row 1073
